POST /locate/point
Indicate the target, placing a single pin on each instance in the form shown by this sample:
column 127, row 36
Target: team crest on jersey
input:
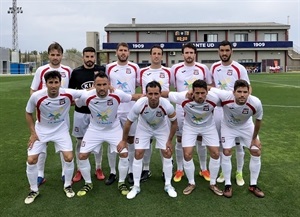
column 229, row 72
column 63, row 74
column 206, row 108
column 110, row 102
column 136, row 141
column 245, row 111
column 62, row 101
column 196, row 72
column 128, row 71
column 162, row 75
column 158, row 114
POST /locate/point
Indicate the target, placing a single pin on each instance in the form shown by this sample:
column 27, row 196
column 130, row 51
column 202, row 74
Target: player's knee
column 227, row 152
column 139, row 154
column 187, row 156
column 123, row 155
column 31, row 160
column 214, row 153
column 83, row 156
column 255, row 151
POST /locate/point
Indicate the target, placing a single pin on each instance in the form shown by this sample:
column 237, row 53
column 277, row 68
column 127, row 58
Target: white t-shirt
column 196, row 115
column 151, row 118
column 39, row 82
column 52, row 113
column 225, row 76
column 125, row 78
column 182, row 76
column 237, row 115
column 161, row 75
column 103, row 110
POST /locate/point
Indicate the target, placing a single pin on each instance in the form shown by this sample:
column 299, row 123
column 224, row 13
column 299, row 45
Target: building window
column 241, row 37
column 210, row 37
column 271, row 37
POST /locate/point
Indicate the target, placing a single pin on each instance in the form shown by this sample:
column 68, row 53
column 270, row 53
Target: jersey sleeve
column 134, row 112
column 36, row 80
column 30, row 107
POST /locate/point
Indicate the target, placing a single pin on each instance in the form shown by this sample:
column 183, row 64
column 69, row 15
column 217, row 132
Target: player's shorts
column 62, row 142
column 143, row 136
column 218, row 116
column 230, row 134
column 93, row 139
column 209, row 135
column 123, row 118
column 81, row 122
column 180, row 120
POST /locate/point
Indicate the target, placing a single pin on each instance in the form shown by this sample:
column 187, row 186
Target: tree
column 73, row 51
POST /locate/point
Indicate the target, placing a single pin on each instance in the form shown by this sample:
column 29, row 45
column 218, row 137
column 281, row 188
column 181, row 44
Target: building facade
column 258, row 46
column 4, row 60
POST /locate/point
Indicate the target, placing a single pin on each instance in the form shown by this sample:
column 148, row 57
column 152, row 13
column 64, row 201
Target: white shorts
column 123, row 118
column 143, row 136
column 62, row 142
column 81, row 122
column 180, row 119
column 230, row 134
column 93, row 139
column 209, row 135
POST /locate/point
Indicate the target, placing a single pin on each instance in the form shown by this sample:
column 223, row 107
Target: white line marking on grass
column 276, row 84
column 282, row 106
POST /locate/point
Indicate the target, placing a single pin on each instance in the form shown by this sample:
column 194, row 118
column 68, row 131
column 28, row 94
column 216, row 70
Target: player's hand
column 169, row 148
column 111, row 89
column 121, row 146
column 32, row 139
column 189, row 95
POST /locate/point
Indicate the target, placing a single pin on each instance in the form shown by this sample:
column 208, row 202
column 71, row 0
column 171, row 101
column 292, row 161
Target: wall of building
column 4, row 60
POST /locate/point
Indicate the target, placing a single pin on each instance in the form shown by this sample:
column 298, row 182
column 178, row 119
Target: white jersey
column 125, row 78
column 225, row 76
column 238, row 115
column 151, row 118
column 196, row 115
column 103, row 110
column 161, row 75
column 52, row 113
column 39, row 82
column 182, row 76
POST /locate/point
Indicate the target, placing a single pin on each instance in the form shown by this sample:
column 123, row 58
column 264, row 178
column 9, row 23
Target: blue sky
column 67, row 21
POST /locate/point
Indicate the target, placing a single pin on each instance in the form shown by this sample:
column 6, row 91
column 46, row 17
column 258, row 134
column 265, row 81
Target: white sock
column 240, row 153
column 137, row 170
column 112, row 159
column 98, row 158
column 167, row 169
column 62, row 160
column 202, row 155
column 68, row 170
column 41, row 164
column 226, row 168
column 147, row 158
column 32, row 175
column 123, row 168
column 130, row 156
column 85, row 169
column 189, row 169
column 254, row 166
column 179, row 155
column 77, row 151
column 214, row 166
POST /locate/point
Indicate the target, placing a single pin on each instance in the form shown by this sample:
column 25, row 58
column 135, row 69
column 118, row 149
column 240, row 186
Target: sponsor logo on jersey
column 148, row 73
column 128, row 71
column 116, row 70
column 162, row 75
column 96, row 72
column 146, row 112
column 206, row 108
column 158, row 114
column 63, row 74
column 97, row 102
column 196, row 72
column 62, row 101
column 137, row 141
column 87, row 85
column 183, row 71
column 245, row 111
column 48, row 103
column 110, row 102
column 229, row 72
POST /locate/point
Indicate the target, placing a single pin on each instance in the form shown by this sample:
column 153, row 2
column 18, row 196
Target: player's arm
column 173, row 129
column 255, row 140
column 136, row 96
column 123, row 143
column 33, row 136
